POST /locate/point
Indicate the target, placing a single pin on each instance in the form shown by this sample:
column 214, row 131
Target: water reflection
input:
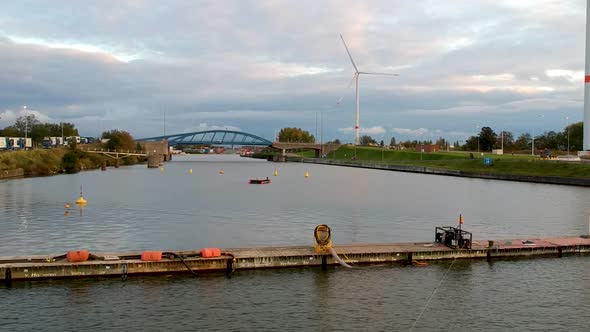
column 136, row 208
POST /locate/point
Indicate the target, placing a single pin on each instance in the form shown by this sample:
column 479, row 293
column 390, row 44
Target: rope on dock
column 432, row 295
column 183, row 262
column 338, row 259
column 323, row 243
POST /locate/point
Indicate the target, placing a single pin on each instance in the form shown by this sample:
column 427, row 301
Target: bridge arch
column 212, row 137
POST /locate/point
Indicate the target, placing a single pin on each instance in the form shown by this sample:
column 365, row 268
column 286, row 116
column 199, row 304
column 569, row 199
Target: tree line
column 569, row 139
column 37, row 130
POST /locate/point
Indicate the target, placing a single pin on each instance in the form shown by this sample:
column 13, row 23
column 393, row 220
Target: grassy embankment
column 42, row 162
column 461, row 161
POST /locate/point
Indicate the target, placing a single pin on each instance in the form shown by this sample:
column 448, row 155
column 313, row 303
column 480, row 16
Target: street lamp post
column 26, row 123
column 322, row 135
column 382, row 147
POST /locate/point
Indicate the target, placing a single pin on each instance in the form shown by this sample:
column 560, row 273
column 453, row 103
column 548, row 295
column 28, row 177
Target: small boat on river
column 260, row 181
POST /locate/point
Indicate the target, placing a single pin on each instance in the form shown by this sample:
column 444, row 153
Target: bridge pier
column 154, row 160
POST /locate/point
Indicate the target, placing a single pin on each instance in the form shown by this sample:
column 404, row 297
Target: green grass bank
column 462, row 161
column 43, row 162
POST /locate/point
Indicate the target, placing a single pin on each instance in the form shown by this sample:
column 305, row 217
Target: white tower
column 586, row 145
column 356, row 75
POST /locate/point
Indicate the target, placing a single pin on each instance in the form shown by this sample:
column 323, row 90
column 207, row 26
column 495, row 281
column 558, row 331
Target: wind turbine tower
column 586, row 143
column 356, row 76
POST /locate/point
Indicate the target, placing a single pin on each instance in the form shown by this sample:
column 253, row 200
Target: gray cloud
column 263, row 65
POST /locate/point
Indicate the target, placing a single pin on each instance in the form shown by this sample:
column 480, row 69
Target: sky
column 155, row 67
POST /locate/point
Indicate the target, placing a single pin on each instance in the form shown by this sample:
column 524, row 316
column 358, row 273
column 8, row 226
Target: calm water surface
column 135, row 208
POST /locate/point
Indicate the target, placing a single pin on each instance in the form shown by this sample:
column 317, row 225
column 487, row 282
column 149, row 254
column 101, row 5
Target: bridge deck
column 128, row 263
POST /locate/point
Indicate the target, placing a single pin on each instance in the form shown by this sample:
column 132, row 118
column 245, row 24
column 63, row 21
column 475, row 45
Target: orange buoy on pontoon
column 77, row 256
column 210, row 252
column 151, row 256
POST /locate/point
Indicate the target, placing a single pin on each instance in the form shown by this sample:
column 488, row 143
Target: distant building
column 427, row 148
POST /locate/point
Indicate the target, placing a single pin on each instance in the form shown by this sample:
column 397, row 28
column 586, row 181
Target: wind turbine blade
column 370, row 73
column 350, row 56
column 348, row 87
column 351, row 80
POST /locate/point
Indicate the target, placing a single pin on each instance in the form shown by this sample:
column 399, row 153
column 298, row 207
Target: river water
column 135, row 208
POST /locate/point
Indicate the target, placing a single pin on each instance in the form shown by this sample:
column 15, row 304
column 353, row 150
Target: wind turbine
column 355, row 77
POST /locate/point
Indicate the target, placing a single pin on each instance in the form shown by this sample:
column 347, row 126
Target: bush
column 71, row 161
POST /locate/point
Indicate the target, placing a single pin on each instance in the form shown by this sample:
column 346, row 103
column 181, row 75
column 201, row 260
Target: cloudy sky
column 258, row 66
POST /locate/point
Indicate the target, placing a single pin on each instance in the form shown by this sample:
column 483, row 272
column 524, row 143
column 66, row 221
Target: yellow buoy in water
column 221, row 172
column 190, row 171
column 67, row 205
column 81, row 200
column 306, row 174
column 276, row 172
column 161, row 169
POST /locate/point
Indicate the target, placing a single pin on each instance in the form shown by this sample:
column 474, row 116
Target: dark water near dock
column 135, row 208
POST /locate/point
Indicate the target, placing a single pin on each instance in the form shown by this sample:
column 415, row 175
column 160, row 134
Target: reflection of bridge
column 231, row 137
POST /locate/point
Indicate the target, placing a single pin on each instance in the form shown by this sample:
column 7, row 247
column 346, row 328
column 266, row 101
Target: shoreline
column 568, row 181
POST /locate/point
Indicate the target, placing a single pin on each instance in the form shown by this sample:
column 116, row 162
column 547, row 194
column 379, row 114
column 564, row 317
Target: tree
column 392, row 142
column 576, row 133
column 336, row 141
column 471, row 144
column 118, row 140
column 26, row 122
column 508, row 140
column 523, row 142
column 487, row 139
column 366, row 140
column 382, row 144
column 295, row 135
column 441, row 142
column 9, row 131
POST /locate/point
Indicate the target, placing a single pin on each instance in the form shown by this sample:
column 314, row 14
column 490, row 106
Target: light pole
column 382, row 148
column 421, row 147
column 26, row 123
column 322, row 135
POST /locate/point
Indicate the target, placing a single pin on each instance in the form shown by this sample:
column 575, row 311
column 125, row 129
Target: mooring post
column 8, row 276
column 559, row 252
column 324, row 262
column 229, row 268
column 410, row 258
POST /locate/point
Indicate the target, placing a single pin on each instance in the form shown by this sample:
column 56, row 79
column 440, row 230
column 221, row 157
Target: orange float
column 210, row 252
column 77, row 256
column 151, row 256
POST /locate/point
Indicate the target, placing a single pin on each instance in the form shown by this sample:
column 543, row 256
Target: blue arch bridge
column 212, row 137
column 232, row 138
